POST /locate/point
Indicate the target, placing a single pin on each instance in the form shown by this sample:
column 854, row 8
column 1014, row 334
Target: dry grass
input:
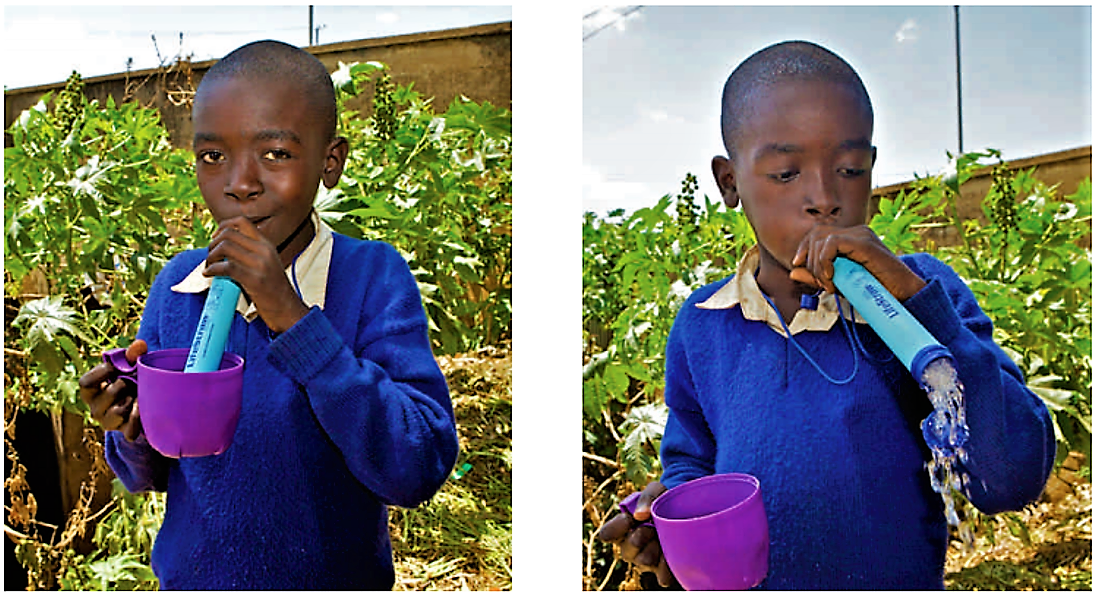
column 461, row 539
column 1053, row 551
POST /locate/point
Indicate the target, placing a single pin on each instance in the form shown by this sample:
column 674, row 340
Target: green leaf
column 616, row 380
column 47, row 318
column 379, row 212
column 644, row 429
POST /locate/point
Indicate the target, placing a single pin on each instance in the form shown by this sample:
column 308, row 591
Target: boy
column 345, row 410
column 757, row 383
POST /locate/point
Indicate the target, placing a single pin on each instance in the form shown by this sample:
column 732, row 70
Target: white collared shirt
column 743, row 290
column 308, row 272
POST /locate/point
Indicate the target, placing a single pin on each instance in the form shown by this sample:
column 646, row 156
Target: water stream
column 946, row 434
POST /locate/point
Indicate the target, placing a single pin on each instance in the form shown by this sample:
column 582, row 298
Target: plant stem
column 609, row 574
column 600, row 459
column 600, row 487
column 951, row 197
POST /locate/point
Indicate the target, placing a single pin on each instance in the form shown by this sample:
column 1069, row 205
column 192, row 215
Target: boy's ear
column 874, row 155
column 334, row 161
column 724, row 172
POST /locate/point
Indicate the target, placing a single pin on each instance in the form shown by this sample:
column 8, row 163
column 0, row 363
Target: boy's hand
column 637, row 544
column 114, row 405
column 240, row 251
column 814, row 261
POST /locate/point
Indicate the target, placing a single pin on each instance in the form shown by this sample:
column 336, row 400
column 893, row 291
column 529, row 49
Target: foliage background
column 97, row 201
column 1027, row 259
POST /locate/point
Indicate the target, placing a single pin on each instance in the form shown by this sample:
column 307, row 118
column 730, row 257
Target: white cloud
column 908, row 31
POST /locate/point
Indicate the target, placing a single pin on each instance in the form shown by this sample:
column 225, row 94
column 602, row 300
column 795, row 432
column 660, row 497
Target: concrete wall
column 1065, row 168
column 473, row 61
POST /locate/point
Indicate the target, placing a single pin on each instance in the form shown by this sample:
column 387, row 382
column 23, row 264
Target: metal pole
column 959, row 93
column 310, row 24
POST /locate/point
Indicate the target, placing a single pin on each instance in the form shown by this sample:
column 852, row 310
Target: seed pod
column 384, row 108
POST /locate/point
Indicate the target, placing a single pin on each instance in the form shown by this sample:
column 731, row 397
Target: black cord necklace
column 295, row 233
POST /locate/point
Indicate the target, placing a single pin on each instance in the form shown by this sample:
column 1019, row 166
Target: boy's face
column 803, row 157
column 261, row 153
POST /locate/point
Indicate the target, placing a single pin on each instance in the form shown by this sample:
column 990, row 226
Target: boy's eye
column 852, row 172
column 787, row 176
column 211, row 157
column 276, row 154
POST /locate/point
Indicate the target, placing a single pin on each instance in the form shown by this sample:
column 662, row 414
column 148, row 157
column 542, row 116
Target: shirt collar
column 309, row 270
column 743, row 290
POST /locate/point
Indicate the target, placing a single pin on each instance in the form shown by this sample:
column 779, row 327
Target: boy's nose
column 821, row 203
column 825, row 212
column 243, row 181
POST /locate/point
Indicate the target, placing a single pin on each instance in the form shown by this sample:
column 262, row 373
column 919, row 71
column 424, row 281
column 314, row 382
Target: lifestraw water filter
column 903, row 334
column 213, row 326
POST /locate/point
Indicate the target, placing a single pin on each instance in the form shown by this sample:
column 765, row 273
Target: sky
column 44, row 44
column 652, row 80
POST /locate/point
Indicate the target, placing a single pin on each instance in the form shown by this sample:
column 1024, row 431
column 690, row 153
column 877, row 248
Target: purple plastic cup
column 713, row 532
column 185, row 414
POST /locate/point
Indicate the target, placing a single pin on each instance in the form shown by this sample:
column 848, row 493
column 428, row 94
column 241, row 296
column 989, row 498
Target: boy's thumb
column 136, row 349
column 647, row 497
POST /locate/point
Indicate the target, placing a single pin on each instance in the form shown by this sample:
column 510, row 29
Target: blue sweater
column 842, row 468
column 344, row 413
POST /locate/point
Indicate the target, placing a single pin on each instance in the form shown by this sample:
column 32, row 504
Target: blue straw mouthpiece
column 903, row 334
column 213, row 326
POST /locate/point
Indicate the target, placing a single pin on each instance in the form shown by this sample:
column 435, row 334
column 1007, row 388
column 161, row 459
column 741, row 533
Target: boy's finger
column 663, row 574
column 650, row 555
column 109, row 409
column 233, row 249
column 119, row 414
column 224, row 257
column 93, row 379
column 132, row 427
column 99, row 406
column 636, row 542
column 827, row 254
column 101, row 400
column 802, row 275
column 801, row 256
column 615, row 529
column 647, row 497
column 136, row 350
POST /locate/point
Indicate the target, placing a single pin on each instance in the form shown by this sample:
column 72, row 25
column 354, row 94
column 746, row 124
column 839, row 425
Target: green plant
column 123, row 541
column 96, row 201
column 637, row 271
column 1023, row 262
column 438, row 188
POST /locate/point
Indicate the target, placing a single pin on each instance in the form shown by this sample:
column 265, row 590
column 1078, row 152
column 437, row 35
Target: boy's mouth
column 257, row 221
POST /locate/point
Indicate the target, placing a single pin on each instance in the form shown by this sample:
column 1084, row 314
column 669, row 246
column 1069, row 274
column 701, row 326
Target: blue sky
column 652, row 83
column 44, row 44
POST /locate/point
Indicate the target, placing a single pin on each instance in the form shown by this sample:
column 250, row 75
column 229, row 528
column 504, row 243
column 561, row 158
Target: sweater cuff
column 303, row 350
column 135, row 450
column 934, row 310
column 135, row 463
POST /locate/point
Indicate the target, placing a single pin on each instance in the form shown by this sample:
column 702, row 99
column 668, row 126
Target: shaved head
column 276, row 61
column 790, row 61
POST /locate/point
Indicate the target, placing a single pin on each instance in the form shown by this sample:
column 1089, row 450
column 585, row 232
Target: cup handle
column 628, row 505
column 117, row 357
